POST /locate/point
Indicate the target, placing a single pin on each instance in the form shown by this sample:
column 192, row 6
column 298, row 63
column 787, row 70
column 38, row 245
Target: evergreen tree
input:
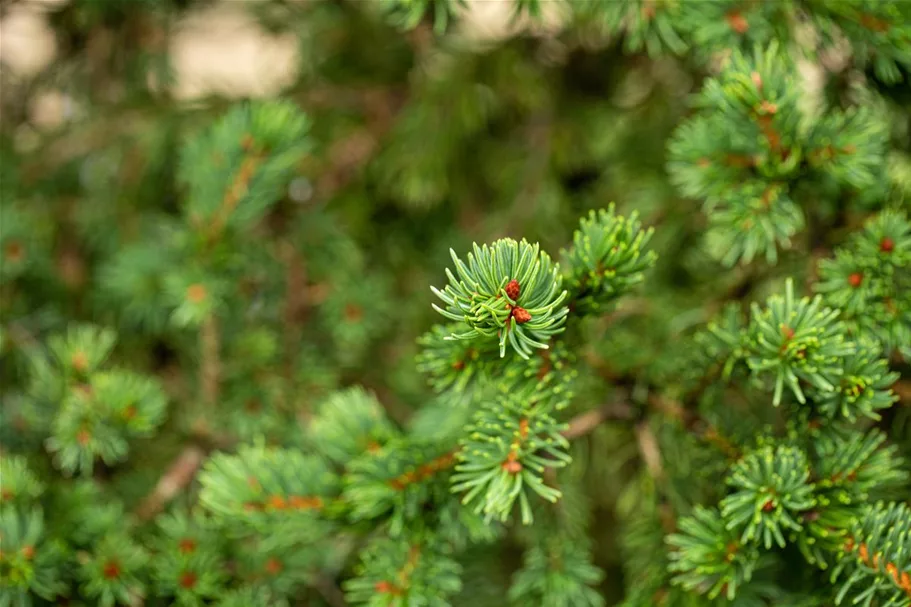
column 615, row 309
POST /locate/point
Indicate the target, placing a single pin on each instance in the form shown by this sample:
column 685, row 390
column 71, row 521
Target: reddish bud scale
column 353, row 312
column 905, row 583
column 111, row 570
column 892, row 570
column 188, row 579
column 28, row 552
column 385, row 587
column 187, row 545
column 737, row 22
column 768, row 107
column 855, row 279
column 196, row 293
column 768, row 506
column 513, row 290
column 14, row 251
column 887, row 245
column 274, row 566
column 521, row 315
column 512, row 466
column 83, row 437
column 80, row 361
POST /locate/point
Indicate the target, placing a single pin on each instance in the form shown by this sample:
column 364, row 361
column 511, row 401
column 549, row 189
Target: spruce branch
column 771, row 490
column 510, row 443
column 557, row 570
column 876, row 559
column 250, row 154
column 751, row 151
column 709, row 558
column 348, row 424
column 112, row 573
column 509, row 292
column 188, row 563
column 397, row 573
column 650, row 25
column 32, row 560
column 607, row 259
column 797, row 340
column 399, row 482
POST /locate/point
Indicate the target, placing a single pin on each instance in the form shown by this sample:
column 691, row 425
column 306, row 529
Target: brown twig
column 330, row 591
column 902, row 389
column 179, row 475
column 584, row 423
column 649, row 450
column 239, row 187
column 296, row 303
column 210, row 363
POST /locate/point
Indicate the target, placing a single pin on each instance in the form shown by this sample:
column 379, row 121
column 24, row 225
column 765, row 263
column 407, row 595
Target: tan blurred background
column 220, row 49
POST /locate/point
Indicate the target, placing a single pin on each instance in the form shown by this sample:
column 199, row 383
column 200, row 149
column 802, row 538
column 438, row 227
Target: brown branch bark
column 210, row 362
column 902, row 389
column 330, row 591
column 236, row 191
column 296, row 303
column 649, row 450
column 586, row 422
column 180, row 474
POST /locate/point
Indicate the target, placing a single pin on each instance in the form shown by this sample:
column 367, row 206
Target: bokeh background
column 421, row 143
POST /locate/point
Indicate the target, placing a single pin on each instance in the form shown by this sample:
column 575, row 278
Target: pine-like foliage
column 384, row 338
